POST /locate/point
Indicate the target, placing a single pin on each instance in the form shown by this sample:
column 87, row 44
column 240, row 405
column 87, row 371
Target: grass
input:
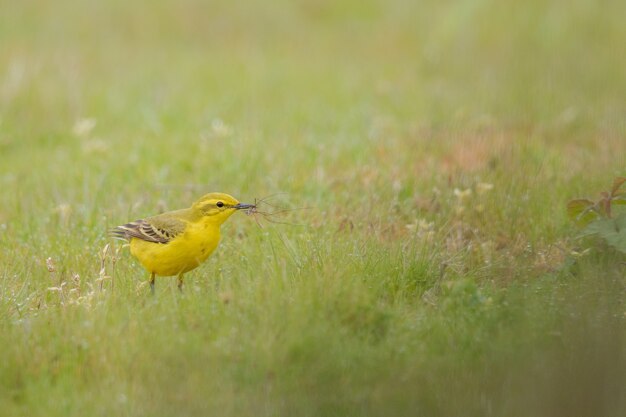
column 402, row 293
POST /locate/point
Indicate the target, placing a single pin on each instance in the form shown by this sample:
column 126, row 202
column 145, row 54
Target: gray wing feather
column 154, row 229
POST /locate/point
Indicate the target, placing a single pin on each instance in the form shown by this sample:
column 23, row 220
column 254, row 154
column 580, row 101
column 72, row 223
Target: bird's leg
column 180, row 282
column 152, row 276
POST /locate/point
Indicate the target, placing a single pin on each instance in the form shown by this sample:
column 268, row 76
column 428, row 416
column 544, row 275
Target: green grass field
column 435, row 146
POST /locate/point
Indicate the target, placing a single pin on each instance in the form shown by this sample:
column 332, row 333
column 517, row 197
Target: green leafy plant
column 599, row 217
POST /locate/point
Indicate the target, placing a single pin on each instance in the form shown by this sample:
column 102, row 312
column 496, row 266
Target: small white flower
column 64, row 210
column 220, row 128
column 50, row 265
column 483, row 187
column 423, row 224
column 83, row 127
column 462, row 194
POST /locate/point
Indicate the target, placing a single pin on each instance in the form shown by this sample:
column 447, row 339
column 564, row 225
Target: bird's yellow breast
column 182, row 254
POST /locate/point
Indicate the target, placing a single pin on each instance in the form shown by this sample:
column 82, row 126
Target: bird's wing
column 158, row 229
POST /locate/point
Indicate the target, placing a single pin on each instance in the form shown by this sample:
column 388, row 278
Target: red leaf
column 617, row 183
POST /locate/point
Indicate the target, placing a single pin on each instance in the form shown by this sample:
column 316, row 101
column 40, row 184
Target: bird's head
column 219, row 206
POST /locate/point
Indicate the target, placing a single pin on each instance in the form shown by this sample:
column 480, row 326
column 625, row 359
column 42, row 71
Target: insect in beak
column 242, row 206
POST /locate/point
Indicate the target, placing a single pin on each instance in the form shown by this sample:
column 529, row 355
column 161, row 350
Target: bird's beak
column 242, row 206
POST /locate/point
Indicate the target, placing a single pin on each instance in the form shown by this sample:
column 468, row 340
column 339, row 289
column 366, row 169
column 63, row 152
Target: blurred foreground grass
column 436, row 144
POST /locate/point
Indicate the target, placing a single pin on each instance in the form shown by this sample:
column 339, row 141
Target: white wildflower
column 83, row 127
column 483, row 187
column 220, row 128
column 462, row 194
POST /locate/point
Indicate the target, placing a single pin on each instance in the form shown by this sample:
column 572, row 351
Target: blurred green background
column 435, row 145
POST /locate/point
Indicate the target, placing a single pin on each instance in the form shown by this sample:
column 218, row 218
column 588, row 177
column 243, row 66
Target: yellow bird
column 178, row 241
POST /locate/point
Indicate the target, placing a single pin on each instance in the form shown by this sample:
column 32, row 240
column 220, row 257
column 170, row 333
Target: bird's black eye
column 220, row 204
